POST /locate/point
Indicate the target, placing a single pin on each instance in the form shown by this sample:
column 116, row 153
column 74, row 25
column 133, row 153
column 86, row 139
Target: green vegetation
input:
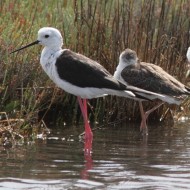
column 101, row 29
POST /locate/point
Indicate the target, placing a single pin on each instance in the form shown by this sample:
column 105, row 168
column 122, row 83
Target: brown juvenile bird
column 149, row 77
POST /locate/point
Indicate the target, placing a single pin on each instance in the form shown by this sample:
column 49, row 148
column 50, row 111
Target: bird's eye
column 46, row 36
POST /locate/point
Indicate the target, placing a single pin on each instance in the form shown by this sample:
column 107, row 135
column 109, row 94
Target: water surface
column 121, row 159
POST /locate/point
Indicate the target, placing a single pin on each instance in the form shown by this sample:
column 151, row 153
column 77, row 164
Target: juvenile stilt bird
column 152, row 78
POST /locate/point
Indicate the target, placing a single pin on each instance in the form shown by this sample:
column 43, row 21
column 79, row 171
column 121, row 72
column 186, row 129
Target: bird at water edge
column 79, row 75
column 152, row 78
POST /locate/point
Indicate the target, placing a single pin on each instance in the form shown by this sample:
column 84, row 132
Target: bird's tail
column 145, row 94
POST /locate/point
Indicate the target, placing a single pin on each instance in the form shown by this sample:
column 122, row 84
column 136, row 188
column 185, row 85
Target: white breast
column 118, row 71
column 48, row 60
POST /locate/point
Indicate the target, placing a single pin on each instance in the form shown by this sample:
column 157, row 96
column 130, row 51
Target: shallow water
column 121, row 159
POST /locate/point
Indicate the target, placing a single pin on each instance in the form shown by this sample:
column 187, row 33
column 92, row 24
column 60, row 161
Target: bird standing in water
column 79, row 75
column 152, row 78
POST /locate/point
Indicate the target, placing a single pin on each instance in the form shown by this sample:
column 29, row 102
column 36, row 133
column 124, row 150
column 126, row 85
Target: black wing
column 84, row 72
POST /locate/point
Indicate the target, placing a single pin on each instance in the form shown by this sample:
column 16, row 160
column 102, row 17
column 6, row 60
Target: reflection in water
column 88, row 166
column 121, row 159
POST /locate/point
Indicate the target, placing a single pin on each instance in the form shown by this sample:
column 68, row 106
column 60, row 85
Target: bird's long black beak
column 31, row 44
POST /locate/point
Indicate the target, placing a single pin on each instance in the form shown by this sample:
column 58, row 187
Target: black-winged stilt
column 79, row 75
column 149, row 77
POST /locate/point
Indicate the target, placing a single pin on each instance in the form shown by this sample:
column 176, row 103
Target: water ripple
column 121, row 159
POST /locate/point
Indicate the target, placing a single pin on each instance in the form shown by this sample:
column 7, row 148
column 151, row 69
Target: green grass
column 157, row 30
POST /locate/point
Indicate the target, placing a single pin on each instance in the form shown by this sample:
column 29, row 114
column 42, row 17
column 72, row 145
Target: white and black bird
column 149, row 77
column 79, row 75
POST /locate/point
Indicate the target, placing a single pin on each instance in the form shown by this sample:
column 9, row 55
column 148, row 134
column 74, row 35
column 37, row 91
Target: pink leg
column 150, row 111
column 88, row 131
column 82, row 109
column 143, row 126
column 147, row 113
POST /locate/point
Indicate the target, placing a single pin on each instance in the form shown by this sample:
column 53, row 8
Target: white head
column 128, row 57
column 48, row 37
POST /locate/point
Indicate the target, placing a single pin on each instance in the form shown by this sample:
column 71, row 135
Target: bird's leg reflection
column 87, row 166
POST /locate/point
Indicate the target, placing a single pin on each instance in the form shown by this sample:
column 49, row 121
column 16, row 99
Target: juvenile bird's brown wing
column 153, row 78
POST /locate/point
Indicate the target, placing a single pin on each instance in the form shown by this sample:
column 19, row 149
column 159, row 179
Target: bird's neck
column 122, row 64
column 48, row 59
column 118, row 70
column 51, row 50
column 48, row 54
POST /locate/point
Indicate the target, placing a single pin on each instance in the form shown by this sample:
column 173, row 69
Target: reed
column 157, row 30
